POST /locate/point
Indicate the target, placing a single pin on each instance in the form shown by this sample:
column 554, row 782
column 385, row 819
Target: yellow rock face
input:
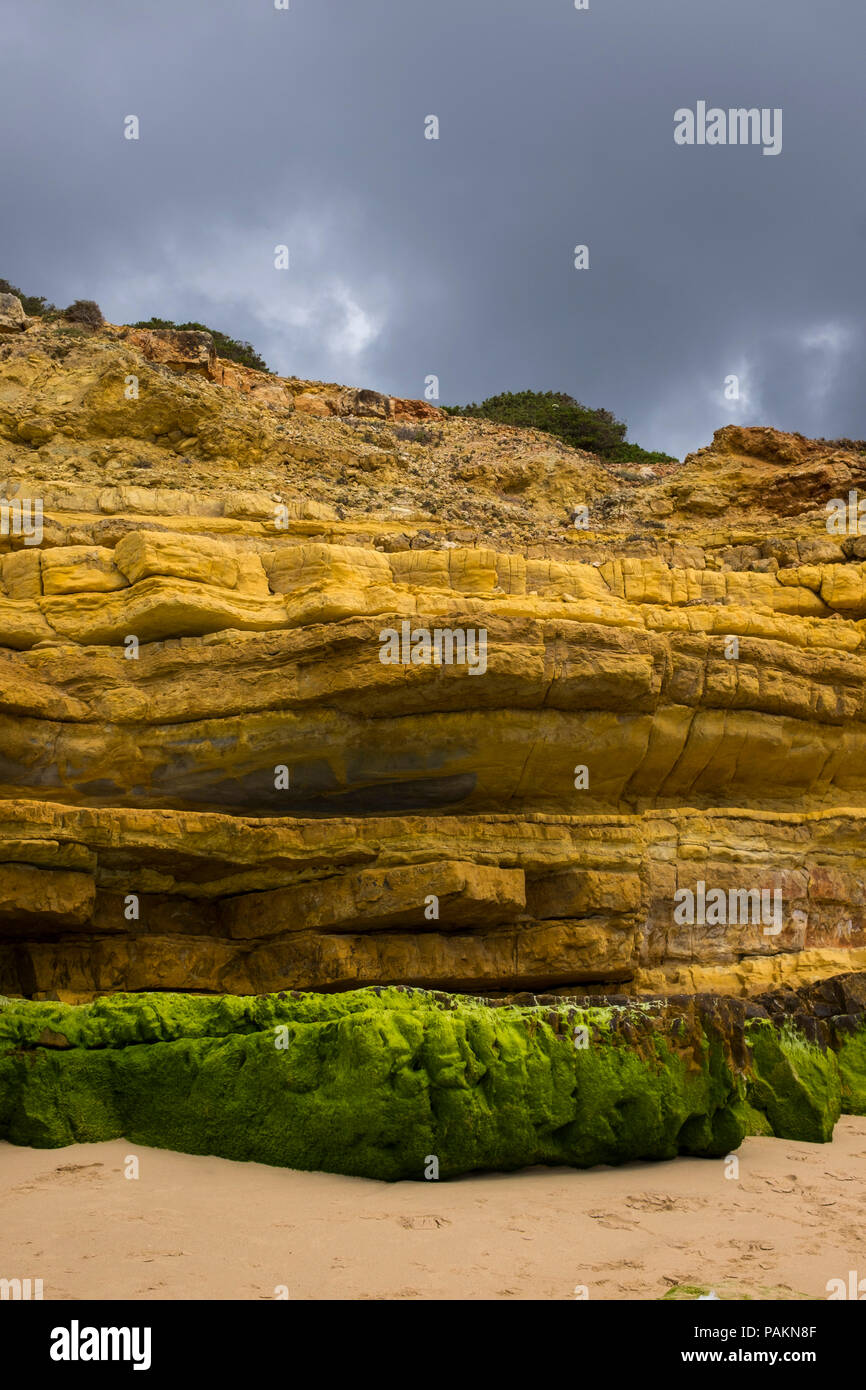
column 302, row 686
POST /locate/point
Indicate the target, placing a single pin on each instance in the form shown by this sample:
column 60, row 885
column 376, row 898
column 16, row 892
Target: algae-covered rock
column 795, row 1092
column 851, row 1056
column 832, row 1013
column 374, row 1083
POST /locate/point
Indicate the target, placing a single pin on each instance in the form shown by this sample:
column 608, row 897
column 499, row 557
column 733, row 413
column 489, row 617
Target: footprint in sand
column 423, row 1223
column 612, row 1221
column 661, row 1201
column 62, row 1174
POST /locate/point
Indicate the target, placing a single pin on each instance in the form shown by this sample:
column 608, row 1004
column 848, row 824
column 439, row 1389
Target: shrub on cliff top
column 230, row 348
column 557, row 413
column 84, row 311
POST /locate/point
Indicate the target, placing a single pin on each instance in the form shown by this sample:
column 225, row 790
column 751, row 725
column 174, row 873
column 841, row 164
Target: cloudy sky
column 455, row 257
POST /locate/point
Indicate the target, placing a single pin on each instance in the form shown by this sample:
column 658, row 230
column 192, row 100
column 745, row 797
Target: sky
column 410, row 257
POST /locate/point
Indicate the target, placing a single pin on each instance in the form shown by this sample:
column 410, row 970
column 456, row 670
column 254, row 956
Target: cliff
column 211, row 780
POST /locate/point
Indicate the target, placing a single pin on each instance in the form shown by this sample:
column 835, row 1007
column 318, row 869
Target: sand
column 195, row 1227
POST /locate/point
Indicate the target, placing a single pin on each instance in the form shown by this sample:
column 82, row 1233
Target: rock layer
column 110, row 899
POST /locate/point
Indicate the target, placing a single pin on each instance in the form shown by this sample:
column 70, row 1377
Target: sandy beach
column 198, row 1227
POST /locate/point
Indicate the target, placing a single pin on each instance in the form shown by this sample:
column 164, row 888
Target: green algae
column 373, row 1082
column 795, row 1091
column 370, row 1082
column 851, row 1056
column 731, row 1293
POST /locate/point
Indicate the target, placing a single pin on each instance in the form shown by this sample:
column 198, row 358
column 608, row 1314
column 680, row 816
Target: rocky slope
column 211, row 781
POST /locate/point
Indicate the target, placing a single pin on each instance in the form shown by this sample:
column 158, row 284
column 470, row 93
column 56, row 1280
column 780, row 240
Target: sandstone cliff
column 211, row 781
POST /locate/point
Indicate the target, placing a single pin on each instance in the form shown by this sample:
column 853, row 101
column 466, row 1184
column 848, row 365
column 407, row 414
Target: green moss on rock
column 370, row 1082
column 851, row 1056
column 796, row 1088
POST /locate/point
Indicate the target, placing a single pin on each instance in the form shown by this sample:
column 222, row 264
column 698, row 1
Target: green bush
column 84, row 311
column 555, row 412
column 31, row 304
column 230, row 348
column 633, row 453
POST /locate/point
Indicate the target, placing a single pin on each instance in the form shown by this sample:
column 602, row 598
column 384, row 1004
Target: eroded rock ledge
column 224, row 903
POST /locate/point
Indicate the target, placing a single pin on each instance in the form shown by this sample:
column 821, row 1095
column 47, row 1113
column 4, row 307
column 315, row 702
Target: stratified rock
column 465, row 895
column 197, row 725
column 251, row 905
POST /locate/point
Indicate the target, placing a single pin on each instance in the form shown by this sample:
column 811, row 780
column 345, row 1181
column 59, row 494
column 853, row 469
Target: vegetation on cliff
column 87, row 311
column 30, row 303
column 555, row 412
column 701, row 635
column 227, row 347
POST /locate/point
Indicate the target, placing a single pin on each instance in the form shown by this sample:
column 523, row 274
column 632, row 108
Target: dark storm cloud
column 454, row 257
